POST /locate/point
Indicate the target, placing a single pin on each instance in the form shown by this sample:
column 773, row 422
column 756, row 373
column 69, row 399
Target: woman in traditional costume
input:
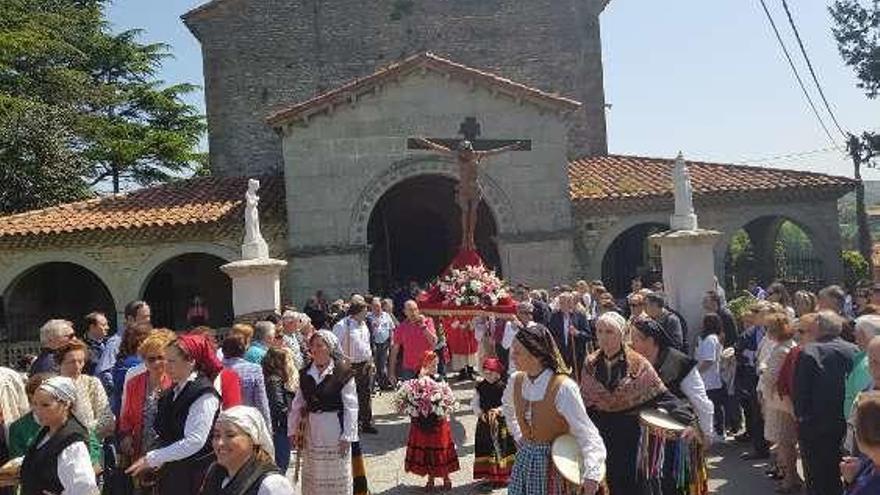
column 430, row 449
column 681, row 376
column 58, row 460
column 617, row 384
column 676, row 370
column 323, row 421
column 494, row 448
column 184, row 418
column 541, row 403
column 243, row 445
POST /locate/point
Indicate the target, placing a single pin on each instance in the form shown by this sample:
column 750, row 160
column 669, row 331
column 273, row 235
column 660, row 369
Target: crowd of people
column 284, row 401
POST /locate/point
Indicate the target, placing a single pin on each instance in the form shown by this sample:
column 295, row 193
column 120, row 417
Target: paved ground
column 385, row 453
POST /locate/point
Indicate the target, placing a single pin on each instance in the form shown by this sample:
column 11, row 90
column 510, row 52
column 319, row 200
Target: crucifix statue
column 469, row 153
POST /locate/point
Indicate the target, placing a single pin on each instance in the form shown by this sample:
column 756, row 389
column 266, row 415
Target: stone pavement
column 385, row 453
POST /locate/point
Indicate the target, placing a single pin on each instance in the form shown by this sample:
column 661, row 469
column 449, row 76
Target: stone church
column 320, row 101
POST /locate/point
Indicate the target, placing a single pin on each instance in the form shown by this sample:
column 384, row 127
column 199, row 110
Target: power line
column 800, row 42
column 796, row 74
column 789, row 156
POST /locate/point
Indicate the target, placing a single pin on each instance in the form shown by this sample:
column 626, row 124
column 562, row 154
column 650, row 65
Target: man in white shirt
column 523, row 320
column 354, row 341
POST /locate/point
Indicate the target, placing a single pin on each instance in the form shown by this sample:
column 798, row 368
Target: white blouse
column 694, row 389
column 571, row 406
column 273, row 484
column 199, row 421
column 324, row 429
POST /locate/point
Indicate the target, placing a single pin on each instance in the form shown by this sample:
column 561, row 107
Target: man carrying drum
column 540, row 404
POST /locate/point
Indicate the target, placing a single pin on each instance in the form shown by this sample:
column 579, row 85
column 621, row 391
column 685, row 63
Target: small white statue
column 683, row 218
column 254, row 246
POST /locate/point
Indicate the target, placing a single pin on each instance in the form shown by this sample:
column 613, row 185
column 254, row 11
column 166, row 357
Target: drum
column 666, row 459
column 568, row 461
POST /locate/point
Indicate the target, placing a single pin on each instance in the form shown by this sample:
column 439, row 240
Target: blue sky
column 704, row 77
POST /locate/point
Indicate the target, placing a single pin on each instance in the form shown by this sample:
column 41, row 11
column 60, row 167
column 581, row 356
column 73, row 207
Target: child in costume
column 494, row 448
column 430, row 449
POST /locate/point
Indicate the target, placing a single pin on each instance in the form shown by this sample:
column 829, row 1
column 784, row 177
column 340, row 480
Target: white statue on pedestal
column 254, row 246
column 683, row 218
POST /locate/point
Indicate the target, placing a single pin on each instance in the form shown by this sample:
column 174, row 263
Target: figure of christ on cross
column 469, row 153
column 468, row 193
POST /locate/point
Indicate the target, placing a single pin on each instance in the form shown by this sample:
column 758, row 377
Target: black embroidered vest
column 247, row 480
column 673, row 366
column 490, row 394
column 39, row 471
column 325, row 396
column 172, row 412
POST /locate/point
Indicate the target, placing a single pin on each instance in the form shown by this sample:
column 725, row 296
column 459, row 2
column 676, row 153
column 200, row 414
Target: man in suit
column 541, row 312
column 572, row 332
column 819, row 386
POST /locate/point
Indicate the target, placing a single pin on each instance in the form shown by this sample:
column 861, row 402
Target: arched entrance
column 773, row 248
column 630, row 255
column 54, row 290
column 414, row 232
column 171, row 288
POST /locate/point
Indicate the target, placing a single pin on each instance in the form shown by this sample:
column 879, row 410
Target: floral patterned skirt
column 430, row 449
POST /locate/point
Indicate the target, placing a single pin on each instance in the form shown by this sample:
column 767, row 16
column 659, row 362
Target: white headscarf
column 251, row 421
column 332, row 342
column 60, row 387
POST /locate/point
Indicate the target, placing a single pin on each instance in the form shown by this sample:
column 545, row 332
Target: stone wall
column 262, row 55
column 125, row 267
column 338, row 166
column 817, row 216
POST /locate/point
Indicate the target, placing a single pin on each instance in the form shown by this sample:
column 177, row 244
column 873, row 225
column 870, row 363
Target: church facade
column 353, row 206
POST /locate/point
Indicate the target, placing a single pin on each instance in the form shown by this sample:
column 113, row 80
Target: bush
column 855, row 268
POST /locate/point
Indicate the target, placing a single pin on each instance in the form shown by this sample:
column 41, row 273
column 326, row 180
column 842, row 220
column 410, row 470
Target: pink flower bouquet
column 423, row 398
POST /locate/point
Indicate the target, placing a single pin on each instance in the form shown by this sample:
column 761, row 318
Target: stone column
column 688, row 271
column 256, row 278
column 688, row 255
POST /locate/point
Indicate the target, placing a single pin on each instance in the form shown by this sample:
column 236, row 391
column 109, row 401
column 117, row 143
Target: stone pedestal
column 688, row 272
column 256, row 284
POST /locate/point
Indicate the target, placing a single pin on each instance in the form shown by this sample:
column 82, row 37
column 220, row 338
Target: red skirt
column 430, row 450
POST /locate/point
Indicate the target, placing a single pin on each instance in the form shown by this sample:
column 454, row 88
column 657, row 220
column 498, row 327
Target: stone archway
column 414, row 231
column 172, row 286
column 774, row 248
column 494, row 197
column 631, row 254
column 55, row 289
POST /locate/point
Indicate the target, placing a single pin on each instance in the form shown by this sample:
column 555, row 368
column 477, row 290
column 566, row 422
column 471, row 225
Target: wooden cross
column 470, row 129
column 468, row 152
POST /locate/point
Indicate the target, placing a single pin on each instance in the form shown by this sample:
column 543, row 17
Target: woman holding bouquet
column 541, row 403
column 430, row 450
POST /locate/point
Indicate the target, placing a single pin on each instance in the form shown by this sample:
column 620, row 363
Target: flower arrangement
column 423, row 398
column 472, row 286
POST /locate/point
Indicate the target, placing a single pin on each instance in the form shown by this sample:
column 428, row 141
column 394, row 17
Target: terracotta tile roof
column 632, row 180
column 189, row 202
column 351, row 91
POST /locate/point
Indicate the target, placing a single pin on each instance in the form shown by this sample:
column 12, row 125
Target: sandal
column 429, row 486
column 447, row 485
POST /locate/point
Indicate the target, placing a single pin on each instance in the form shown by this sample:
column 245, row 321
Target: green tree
column 100, row 89
column 38, row 163
column 857, row 31
column 135, row 130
